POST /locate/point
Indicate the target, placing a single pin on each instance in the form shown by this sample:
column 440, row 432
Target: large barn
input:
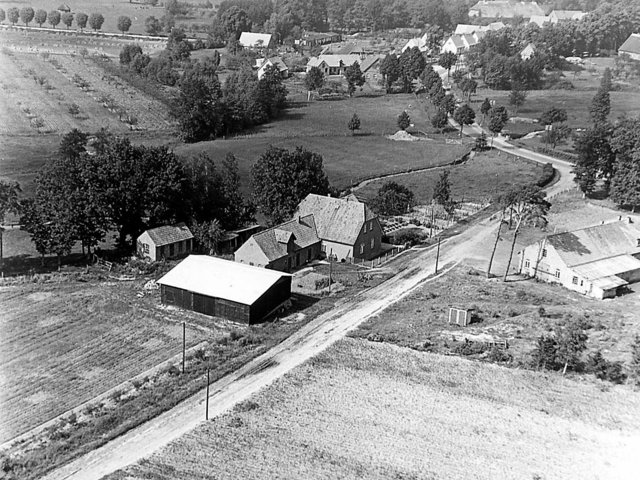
column 225, row 289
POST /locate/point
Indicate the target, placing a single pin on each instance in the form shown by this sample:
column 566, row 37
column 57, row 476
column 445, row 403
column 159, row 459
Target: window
column 581, row 283
column 370, row 225
column 361, row 248
column 365, row 228
column 574, row 280
column 527, row 263
column 373, row 243
column 146, row 248
column 544, row 252
column 557, row 273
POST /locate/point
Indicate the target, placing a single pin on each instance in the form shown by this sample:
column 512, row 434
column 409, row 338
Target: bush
column 605, row 369
column 498, row 355
column 548, row 173
column 469, row 348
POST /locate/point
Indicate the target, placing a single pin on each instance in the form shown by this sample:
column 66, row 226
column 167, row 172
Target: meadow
column 377, row 411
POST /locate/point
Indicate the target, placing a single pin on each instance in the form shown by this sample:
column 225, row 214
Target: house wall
column 633, row 55
column 341, row 251
column 275, row 296
column 173, row 250
column 145, row 248
column 369, row 242
column 632, row 276
column 296, row 258
column 251, row 254
column 212, row 306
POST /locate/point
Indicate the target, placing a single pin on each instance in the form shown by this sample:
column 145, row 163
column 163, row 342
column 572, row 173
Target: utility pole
column 330, row 270
column 438, row 255
column 206, row 412
column 184, row 344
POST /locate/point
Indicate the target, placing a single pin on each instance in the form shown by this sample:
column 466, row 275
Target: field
column 64, row 344
column 376, row 411
column 478, row 179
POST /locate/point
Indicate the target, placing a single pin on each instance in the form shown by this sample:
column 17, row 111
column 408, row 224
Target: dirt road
column 238, row 386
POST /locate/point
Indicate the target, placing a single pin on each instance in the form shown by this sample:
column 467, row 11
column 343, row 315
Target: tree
column 390, row 70
column 2, row 15
column 54, row 18
column 600, row 107
column 95, row 21
column 74, row 109
column 404, row 121
column 13, row 14
column 152, row 25
column 595, row 158
column 572, row 341
column 481, row 142
column 73, row 144
column 26, row 15
column 485, row 108
column 81, row 20
column 634, row 365
column 464, row 115
column 440, row 120
column 354, row 123
column 354, row 76
column 124, row 23
column 468, row 87
column 9, row 203
column 271, row 92
column 40, row 17
column 498, row 117
column 517, row 97
column 314, row 80
column 67, row 19
column 553, row 115
column 625, row 181
column 442, row 192
column 393, row 199
column 412, row 65
column 198, row 109
column 128, row 53
column 208, row 235
column 527, row 205
column 447, row 60
column 282, row 178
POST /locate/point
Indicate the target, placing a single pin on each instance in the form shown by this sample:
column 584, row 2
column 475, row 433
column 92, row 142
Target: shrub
column 247, row 406
column 469, row 348
column 498, row 355
column 605, row 369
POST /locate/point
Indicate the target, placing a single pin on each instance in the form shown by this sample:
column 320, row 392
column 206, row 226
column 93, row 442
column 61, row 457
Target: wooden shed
column 225, row 289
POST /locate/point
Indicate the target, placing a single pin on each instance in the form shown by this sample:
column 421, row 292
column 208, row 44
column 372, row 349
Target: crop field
column 478, row 179
column 61, row 345
column 376, row 411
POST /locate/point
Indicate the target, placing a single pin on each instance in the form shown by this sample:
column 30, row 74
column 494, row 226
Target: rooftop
column 273, row 241
column 250, row 39
column 631, row 44
column 168, row 234
column 220, row 278
column 505, row 9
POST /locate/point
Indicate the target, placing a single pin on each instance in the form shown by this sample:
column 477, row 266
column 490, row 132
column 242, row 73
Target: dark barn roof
column 273, row 242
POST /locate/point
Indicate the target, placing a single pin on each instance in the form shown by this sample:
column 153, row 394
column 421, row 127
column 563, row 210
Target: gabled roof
column 495, row 26
column 168, row 234
column 370, row 62
column 539, row 20
column 462, row 28
column 607, row 267
column 596, row 243
column 220, row 278
column 505, row 9
column 567, row 14
column 468, row 40
column 457, row 41
column 337, row 219
column 334, row 60
column 276, row 62
column 250, row 39
column 631, row 44
column 273, row 241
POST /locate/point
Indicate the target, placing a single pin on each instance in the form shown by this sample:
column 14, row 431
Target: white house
column 565, row 15
column 273, row 62
column 333, row 64
column 527, row 52
column 539, row 20
column 505, row 9
column 463, row 28
column 169, row 241
column 594, row 261
column 459, row 44
column 252, row 40
column 631, row 46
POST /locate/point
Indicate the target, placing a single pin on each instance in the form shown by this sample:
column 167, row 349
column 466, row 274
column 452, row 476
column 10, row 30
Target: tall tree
column 595, row 158
column 354, row 76
column 440, row 119
column 73, row 144
column 3, row 15
column 314, row 80
column 198, row 109
column 390, row 70
column 625, row 181
column 600, row 107
column 464, row 115
column 498, row 117
column 67, row 19
column 26, row 15
column 404, row 121
column 468, row 87
column 485, row 108
column 208, row 235
column 528, row 206
column 81, row 20
column 393, row 199
column 9, row 203
column 40, row 17
column 95, row 21
column 447, row 60
column 13, row 14
column 354, row 123
column 442, row 192
column 517, row 97
column 54, row 18
column 412, row 64
column 124, row 23
column 282, row 178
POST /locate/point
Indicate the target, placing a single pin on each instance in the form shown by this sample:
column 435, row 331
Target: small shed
column 225, row 289
column 169, row 241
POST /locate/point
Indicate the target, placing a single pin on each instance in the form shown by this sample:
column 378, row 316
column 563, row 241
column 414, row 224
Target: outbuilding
column 225, row 289
column 168, row 241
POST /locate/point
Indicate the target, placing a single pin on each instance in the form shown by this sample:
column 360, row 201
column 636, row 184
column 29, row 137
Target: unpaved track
column 304, row 344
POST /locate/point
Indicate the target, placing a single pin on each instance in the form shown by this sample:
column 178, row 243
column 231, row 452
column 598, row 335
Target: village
column 228, row 230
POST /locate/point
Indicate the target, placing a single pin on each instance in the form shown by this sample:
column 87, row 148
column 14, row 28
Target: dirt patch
column 403, row 136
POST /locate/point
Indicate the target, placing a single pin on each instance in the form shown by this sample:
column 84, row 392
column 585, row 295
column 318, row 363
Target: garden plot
column 63, row 345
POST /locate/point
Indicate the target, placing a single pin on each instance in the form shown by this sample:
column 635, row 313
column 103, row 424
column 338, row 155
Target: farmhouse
column 333, row 64
column 539, row 20
column 169, row 241
column 631, row 46
column 346, row 226
column 505, row 9
column 459, row 44
column 594, row 261
column 370, row 66
column 273, row 62
column 225, row 289
column 284, row 247
column 257, row 41
column 565, row 15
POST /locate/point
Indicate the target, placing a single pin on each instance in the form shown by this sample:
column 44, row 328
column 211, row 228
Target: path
column 304, row 344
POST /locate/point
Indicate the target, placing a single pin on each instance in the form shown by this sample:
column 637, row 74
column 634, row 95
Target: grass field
column 506, row 311
column 375, row 411
column 64, row 344
column 478, row 179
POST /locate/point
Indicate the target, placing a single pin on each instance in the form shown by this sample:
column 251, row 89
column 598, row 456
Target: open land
column 364, row 410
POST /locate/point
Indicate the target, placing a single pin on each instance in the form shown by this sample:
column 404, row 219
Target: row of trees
column 126, row 188
column 54, row 17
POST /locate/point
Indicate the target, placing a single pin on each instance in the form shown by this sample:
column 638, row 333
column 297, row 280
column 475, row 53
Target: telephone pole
column 437, row 255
